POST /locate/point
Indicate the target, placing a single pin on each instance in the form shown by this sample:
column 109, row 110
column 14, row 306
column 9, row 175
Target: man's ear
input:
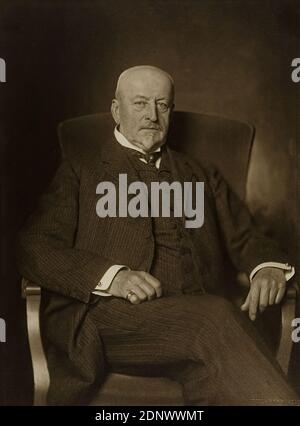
column 115, row 111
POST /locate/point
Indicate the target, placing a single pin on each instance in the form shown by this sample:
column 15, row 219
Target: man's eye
column 140, row 103
column 162, row 106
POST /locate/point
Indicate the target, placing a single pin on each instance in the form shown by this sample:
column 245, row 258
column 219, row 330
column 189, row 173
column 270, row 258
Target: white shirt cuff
column 289, row 270
column 107, row 279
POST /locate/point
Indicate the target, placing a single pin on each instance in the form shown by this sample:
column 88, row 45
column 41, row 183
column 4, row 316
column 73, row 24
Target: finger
column 254, row 301
column 139, row 294
column 272, row 295
column 132, row 298
column 263, row 298
column 148, row 289
column 245, row 305
column 280, row 293
column 155, row 283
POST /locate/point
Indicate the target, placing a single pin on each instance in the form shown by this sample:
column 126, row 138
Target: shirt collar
column 122, row 140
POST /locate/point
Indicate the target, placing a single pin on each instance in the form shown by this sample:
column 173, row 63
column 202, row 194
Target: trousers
column 202, row 341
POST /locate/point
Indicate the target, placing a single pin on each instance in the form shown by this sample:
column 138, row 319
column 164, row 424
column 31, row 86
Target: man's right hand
column 135, row 286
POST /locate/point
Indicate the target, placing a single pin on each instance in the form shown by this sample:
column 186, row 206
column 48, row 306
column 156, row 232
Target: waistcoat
column 172, row 264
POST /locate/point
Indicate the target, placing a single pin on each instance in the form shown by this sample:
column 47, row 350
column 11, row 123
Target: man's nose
column 152, row 111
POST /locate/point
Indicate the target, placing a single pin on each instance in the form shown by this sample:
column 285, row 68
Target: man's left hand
column 267, row 287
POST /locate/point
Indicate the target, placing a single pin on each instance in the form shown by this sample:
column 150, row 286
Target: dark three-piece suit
column 191, row 333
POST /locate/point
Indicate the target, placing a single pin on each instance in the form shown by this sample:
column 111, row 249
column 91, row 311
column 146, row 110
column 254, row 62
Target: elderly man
column 139, row 295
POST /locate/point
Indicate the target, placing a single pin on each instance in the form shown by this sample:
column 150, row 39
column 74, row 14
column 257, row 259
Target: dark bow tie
column 148, row 158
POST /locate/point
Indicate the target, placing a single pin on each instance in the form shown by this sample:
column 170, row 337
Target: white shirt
column 107, row 278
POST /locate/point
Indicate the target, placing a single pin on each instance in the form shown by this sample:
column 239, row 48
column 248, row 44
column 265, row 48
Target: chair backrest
column 224, row 142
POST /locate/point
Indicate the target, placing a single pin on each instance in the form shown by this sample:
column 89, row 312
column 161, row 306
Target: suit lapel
column 111, row 161
column 115, row 162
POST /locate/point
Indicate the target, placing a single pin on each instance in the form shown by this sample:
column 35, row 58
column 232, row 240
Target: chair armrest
column 288, row 313
column 32, row 293
column 29, row 289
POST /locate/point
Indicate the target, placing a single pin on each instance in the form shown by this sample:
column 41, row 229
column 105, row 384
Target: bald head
column 142, row 72
column 143, row 104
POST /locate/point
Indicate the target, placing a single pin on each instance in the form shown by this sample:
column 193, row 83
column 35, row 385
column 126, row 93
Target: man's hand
column 140, row 285
column 268, row 287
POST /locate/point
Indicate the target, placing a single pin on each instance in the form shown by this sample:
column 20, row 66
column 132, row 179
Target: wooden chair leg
column 39, row 364
column 288, row 313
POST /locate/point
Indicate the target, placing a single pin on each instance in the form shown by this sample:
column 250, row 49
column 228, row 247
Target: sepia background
column 231, row 58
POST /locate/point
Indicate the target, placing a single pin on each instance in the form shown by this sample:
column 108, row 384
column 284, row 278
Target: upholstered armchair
column 226, row 143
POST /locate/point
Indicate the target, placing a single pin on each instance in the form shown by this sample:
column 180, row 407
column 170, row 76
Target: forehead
column 147, row 83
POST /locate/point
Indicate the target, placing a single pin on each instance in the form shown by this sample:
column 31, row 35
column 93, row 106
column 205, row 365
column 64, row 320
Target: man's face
column 143, row 107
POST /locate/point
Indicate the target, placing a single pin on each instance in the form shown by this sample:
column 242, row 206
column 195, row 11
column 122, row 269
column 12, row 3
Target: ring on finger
column 129, row 294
